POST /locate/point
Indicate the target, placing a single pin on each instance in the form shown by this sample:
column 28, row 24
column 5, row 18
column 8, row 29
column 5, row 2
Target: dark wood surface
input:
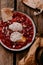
column 8, row 57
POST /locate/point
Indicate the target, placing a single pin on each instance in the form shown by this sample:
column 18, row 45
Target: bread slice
column 41, row 44
column 6, row 14
column 30, row 3
column 29, row 60
column 34, row 3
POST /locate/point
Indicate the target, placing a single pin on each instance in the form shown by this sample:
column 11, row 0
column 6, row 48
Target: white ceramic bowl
column 27, row 44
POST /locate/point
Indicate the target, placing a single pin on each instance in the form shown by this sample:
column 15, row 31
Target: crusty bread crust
column 34, row 3
column 6, row 14
column 8, row 11
column 30, row 57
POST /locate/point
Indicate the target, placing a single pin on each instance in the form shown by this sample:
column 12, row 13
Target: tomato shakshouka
column 18, row 32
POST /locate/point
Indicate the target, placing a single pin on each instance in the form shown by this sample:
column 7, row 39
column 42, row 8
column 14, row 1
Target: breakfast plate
column 17, row 30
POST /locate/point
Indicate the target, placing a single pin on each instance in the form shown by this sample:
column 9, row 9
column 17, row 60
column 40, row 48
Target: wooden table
column 7, row 57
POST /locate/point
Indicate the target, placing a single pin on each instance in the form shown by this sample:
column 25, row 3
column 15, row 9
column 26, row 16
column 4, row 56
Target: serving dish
column 26, row 18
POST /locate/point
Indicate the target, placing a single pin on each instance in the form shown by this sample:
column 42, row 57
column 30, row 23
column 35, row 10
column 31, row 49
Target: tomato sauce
column 28, row 31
